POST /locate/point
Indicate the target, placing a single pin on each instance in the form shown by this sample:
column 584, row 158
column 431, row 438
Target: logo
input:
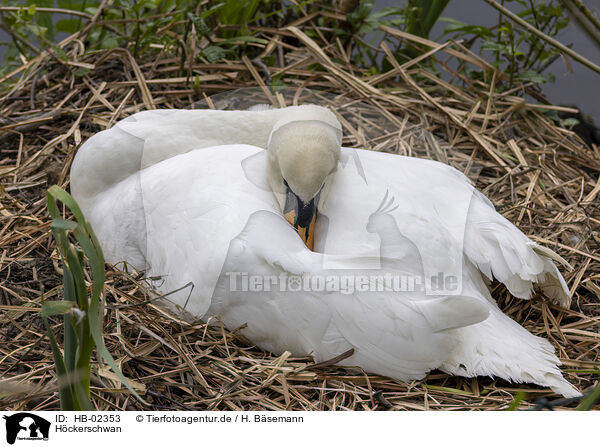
column 26, row 427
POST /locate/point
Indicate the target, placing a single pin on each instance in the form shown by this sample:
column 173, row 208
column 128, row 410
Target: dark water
column 580, row 88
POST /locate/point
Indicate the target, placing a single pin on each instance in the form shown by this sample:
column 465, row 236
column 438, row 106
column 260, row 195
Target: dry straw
column 540, row 176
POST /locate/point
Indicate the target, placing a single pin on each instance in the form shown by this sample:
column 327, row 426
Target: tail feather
column 500, row 250
column 500, row 347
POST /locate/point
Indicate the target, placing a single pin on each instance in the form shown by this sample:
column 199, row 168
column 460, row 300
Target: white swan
column 402, row 246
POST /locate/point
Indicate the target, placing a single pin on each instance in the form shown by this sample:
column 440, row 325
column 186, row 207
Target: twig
column 55, row 10
column 519, row 21
column 585, row 18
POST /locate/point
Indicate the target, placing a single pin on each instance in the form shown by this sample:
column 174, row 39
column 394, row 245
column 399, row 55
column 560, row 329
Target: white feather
column 189, row 215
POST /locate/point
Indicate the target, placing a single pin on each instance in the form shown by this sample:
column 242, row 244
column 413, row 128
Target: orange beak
column 302, row 216
column 307, row 234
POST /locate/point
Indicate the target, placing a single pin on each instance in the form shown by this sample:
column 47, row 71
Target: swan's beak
column 302, row 216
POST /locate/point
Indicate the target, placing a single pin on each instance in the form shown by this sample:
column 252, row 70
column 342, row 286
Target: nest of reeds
column 542, row 177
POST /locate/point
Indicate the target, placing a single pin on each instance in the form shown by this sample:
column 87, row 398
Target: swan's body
column 211, row 217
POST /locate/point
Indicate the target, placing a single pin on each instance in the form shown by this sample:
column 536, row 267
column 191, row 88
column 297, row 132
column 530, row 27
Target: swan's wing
column 501, row 250
column 258, row 288
column 398, row 334
column 402, row 335
column 152, row 136
column 429, row 210
column 444, row 217
column 118, row 219
column 175, row 219
column 104, row 160
column 167, row 133
column 499, row 346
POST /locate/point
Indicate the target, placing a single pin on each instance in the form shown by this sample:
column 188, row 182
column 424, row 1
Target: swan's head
column 302, row 155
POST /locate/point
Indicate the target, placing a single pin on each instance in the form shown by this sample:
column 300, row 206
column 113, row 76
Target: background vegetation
column 141, row 24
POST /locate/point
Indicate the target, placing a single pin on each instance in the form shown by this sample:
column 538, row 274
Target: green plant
column 360, row 33
column 127, row 23
column 80, row 309
column 514, row 405
column 414, row 16
column 590, row 399
column 520, row 53
column 215, row 30
column 422, row 15
column 238, row 13
column 139, row 24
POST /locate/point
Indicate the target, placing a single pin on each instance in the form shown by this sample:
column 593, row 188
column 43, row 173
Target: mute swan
column 403, row 247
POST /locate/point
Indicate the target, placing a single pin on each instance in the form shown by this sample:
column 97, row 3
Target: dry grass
column 540, row 176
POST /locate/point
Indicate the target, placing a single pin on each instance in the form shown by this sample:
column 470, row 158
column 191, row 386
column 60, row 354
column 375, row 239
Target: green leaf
column 90, row 334
column 59, row 52
column 51, row 308
column 531, row 76
column 64, row 388
column 495, row 47
column 199, row 25
column 68, row 25
column 516, row 402
column 277, row 83
column 213, row 53
column 109, row 42
column 56, row 193
column 590, row 399
column 212, row 10
column 569, row 122
column 63, row 224
column 36, row 29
